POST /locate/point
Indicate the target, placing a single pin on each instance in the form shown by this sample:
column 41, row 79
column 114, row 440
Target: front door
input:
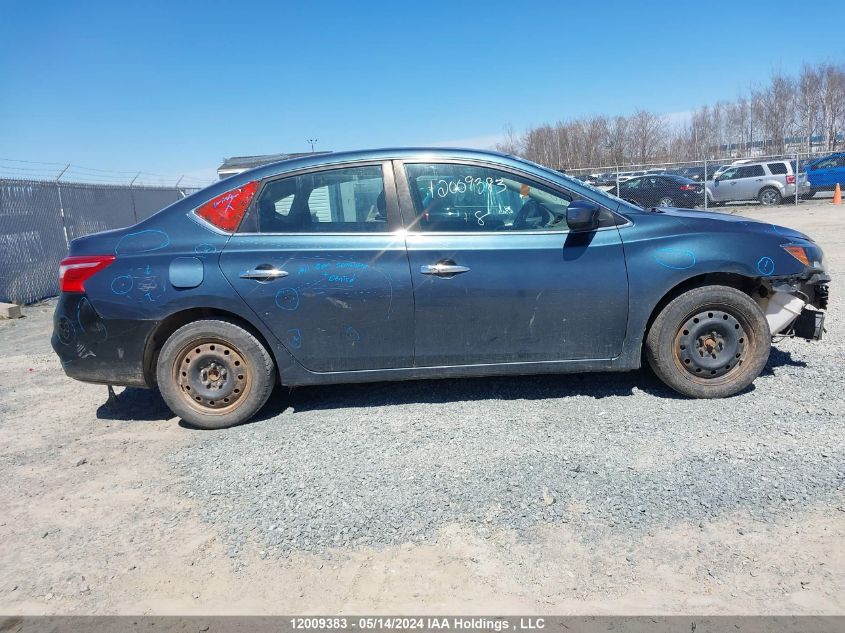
column 317, row 260
column 498, row 277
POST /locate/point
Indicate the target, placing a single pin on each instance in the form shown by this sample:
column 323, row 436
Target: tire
column 734, row 357
column 231, row 377
column 665, row 201
column 769, row 196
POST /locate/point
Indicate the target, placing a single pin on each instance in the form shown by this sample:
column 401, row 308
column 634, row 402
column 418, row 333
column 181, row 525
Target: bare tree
column 807, row 104
column 510, row 143
column 832, row 96
column 646, row 131
column 787, row 113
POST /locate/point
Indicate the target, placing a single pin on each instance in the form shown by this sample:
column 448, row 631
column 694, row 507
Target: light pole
column 312, row 141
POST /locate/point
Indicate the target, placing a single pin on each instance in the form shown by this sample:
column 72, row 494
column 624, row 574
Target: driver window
column 469, row 198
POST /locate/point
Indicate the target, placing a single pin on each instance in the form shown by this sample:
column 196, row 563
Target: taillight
column 74, row 271
column 790, row 180
column 688, row 187
column 227, row 210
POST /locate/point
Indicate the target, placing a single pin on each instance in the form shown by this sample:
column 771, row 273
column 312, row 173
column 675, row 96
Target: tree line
column 804, row 113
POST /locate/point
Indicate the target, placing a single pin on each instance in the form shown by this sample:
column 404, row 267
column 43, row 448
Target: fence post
column 704, row 183
column 132, row 197
column 618, row 191
column 62, row 206
column 797, row 171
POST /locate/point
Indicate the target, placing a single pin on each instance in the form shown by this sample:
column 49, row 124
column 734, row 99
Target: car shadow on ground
column 147, row 405
column 779, row 358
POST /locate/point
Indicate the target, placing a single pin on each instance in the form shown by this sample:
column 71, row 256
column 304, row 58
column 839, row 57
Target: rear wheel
column 214, row 374
column 666, row 201
column 710, row 342
column 769, row 196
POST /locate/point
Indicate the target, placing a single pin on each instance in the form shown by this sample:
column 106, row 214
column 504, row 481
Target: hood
column 695, row 216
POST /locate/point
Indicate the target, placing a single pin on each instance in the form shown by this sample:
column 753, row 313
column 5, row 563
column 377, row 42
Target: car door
column 497, row 276
column 750, row 181
column 653, row 190
column 732, row 184
column 318, row 260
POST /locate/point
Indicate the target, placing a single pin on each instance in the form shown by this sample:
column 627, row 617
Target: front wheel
column 710, row 342
column 214, row 374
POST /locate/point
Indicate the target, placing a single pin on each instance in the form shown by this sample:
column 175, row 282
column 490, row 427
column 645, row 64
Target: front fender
column 664, row 253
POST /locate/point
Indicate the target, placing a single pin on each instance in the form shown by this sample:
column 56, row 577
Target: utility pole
column 312, row 142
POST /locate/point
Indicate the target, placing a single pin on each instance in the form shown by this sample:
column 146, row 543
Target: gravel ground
column 599, row 493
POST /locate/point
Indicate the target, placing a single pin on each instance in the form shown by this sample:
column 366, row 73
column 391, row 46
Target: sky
column 172, row 88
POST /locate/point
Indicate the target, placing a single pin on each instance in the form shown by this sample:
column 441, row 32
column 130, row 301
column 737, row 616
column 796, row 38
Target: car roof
column 394, row 153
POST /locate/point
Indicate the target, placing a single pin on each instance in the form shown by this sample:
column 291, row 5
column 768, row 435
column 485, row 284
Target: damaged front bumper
column 794, row 305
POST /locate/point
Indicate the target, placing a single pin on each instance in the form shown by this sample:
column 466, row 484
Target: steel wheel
column 212, row 376
column 666, row 201
column 711, row 344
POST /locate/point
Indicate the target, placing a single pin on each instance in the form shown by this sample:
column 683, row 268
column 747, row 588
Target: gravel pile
column 389, row 463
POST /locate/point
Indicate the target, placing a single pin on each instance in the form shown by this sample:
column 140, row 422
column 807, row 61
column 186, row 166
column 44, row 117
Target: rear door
column 750, row 181
column 318, row 261
column 498, row 277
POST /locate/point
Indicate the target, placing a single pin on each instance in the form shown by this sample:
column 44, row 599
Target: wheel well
column 748, row 285
column 176, row 320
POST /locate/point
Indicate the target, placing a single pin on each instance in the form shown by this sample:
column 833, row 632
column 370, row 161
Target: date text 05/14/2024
column 419, row 623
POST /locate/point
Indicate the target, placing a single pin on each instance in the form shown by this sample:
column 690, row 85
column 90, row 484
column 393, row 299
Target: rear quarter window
column 777, row 168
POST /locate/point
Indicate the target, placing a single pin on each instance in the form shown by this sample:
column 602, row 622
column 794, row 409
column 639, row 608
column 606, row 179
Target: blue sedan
column 424, row 263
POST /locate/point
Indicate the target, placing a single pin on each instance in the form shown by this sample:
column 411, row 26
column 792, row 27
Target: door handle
column 443, row 269
column 263, row 273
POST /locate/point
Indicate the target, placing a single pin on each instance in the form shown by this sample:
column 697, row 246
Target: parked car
column 769, row 182
column 605, row 180
column 622, row 176
column 825, row 173
column 404, row 264
column 661, row 191
column 696, row 172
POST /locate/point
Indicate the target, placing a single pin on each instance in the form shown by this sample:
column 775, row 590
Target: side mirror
column 583, row 215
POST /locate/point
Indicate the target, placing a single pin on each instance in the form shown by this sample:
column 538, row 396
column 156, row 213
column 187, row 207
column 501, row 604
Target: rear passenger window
column 750, row 171
column 777, row 168
column 349, row 200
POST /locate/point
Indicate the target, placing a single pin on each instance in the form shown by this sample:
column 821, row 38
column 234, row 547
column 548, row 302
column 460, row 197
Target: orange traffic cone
column 837, row 195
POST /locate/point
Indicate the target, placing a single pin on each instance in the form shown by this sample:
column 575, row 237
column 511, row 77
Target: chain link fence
column 38, row 219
